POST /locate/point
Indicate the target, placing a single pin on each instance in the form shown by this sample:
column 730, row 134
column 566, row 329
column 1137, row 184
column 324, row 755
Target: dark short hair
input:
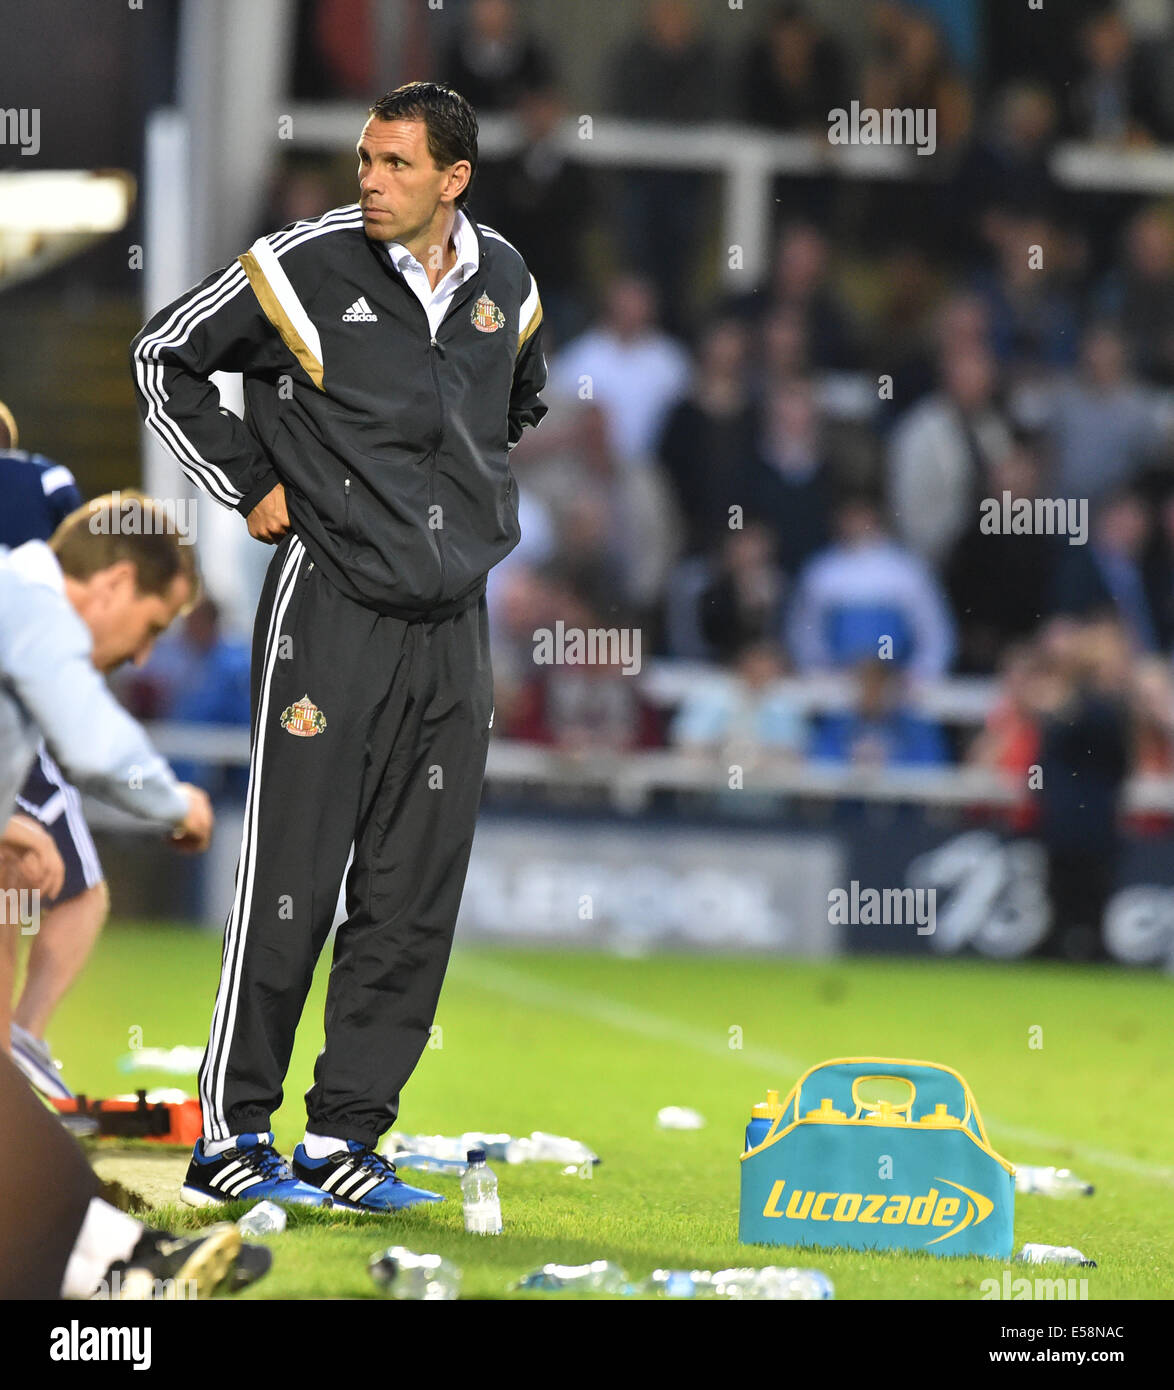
column 451, row 123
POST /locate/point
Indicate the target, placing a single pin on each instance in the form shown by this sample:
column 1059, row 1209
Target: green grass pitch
column 593, row 1045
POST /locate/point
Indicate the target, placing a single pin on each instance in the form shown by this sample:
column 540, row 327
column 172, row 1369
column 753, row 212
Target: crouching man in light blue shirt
column 98, row 594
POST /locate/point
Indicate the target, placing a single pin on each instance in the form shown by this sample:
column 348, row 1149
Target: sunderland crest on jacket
column 486, row 316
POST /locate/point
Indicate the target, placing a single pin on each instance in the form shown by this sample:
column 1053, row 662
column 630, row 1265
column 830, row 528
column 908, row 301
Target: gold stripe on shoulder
column 280, row 320
column 528, row 331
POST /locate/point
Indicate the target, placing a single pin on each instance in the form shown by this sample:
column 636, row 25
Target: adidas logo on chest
column 360, row 312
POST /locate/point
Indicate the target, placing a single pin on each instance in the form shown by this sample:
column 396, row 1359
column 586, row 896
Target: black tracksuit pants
column 366, row 730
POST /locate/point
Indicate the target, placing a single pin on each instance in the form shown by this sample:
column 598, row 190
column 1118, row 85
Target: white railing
column 748, row 159
column 630, row 780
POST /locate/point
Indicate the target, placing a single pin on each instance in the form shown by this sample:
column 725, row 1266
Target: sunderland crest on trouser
column 486, row 316
column 303, row 719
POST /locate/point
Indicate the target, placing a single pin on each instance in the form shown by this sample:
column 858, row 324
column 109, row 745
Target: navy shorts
column 58, row 806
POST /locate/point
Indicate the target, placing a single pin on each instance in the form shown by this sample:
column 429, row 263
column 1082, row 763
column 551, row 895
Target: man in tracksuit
column 392, row 356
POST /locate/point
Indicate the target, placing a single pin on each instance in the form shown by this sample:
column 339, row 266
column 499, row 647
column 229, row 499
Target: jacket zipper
column 435, row 349
column 462, row 293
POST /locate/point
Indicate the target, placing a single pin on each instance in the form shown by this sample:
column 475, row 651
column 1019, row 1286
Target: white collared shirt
column 436, row 301
column 37, row 564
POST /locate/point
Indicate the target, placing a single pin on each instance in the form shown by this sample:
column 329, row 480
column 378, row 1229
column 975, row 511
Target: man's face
column 125, row 623
column 400, row 188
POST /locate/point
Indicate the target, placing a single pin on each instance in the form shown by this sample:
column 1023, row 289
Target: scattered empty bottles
column 769, row 1283
column 679, row 1117
column 500, row 1148
column 452, row 1147
column 426, row 1163
column 1054, row 1254
column 479, row 1195
column 773, row 1282
column 1051, row 1182
column 679, row 1283
column 265, row 1219
column 401, row 1273
column 549, row 1148
column 601, row 1276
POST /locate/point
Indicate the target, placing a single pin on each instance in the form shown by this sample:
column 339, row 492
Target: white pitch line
column 505, row 979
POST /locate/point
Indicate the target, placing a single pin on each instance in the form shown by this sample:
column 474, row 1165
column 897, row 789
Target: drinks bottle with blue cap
column 479, row 1193
column 762, row 1116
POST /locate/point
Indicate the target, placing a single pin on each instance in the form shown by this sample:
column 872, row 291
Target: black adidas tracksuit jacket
column 372, row 685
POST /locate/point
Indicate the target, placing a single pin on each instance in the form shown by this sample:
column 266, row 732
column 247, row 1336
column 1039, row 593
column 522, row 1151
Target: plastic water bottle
column 265, row 1219
column 762, row 1115
column 401, row 1273
column 1051, row 1182
column 548, row 1148
column 479, row 1194
column 1053, row 1254
column 557, row 1148
column 601, row 1276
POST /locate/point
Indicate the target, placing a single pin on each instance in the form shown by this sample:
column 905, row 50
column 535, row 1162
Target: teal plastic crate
column 840, row 1169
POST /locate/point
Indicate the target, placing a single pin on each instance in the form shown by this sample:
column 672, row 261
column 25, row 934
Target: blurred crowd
column 789, row 478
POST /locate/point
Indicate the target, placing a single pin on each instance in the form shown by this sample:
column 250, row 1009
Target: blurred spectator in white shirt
column 629, row 366
column 866, row 596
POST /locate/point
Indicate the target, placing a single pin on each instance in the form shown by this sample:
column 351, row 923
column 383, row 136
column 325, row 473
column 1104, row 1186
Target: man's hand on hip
column 269, row 520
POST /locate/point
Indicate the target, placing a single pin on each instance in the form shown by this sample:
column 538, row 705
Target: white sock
column 214, row 1147
column 322, row 1145
column 106, row 1235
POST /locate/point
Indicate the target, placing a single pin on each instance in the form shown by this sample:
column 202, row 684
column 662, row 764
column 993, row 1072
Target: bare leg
column 60, row 948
